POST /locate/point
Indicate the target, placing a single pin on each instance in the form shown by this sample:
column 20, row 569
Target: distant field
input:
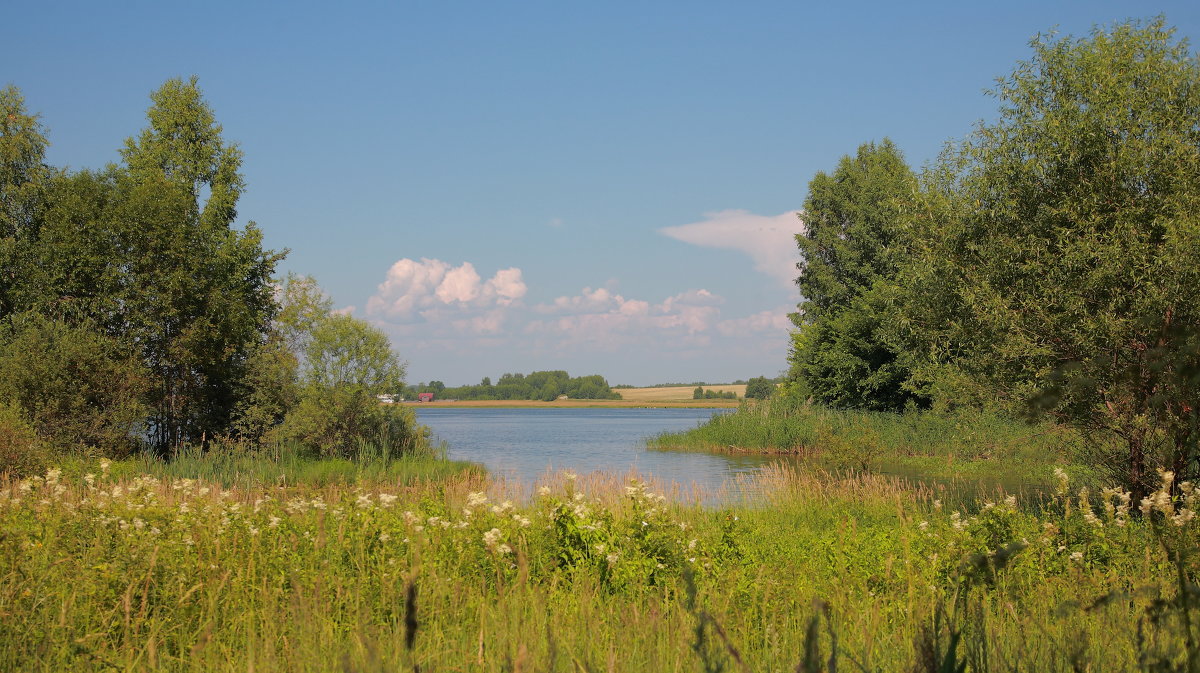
column 668, row 396
column 673, row 393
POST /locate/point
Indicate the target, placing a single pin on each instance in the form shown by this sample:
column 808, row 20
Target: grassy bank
column 971, row 444
column 141, row 573
column 287, row 468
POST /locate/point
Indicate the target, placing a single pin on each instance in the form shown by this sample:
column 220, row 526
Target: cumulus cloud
column 453, row 321
column 768, row 239
column 431, row 287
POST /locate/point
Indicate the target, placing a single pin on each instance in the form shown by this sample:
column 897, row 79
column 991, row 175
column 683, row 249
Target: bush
column 76, row 387
column 21, row 454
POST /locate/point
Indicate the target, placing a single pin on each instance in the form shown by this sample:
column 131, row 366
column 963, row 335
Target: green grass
column 973, row 445
column 158, row 573
column 285, row 467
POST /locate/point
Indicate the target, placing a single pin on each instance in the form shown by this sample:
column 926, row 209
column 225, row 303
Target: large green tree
column 147, row 253
column 198, row 300
column 1058, row 245
column 851, row 248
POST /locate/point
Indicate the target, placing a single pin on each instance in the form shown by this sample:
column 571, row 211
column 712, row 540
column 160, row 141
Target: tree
column 851, row 249
column 197, row 297
column 344, row 363
column 759, row 388
column 23, row 177
column 1063, row 240
column 698, row 393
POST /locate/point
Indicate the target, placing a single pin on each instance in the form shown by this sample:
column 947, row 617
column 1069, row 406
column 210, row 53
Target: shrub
column 21, row 454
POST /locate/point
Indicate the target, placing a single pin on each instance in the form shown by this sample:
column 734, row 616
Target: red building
column 424, row 397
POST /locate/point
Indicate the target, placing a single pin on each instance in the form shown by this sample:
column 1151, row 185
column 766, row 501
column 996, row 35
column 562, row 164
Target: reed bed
column 104, row 572
column 975, row 444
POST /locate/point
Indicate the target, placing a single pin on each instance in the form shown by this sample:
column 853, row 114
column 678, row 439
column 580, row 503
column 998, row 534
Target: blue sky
column 598, row 187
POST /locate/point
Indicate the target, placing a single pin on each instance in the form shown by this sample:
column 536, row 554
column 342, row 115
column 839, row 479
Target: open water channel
column 527, row 444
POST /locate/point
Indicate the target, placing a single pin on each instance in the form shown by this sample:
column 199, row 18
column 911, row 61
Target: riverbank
column 143, row 573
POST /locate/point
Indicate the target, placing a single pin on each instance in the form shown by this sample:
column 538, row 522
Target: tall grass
column 975, row 443
column 141, row 573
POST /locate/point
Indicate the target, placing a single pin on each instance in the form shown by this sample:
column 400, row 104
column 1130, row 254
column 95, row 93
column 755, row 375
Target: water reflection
column 525, row 444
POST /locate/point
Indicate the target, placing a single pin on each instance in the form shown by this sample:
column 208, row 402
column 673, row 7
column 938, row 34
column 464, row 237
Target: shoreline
column 576, row 404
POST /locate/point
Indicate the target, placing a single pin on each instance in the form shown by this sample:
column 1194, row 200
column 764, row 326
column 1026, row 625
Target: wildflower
column 600, row 548
column 1183, row 517
column 1011, row 502
column 363, row 501
column 104, row 465
column 384, row 537
column 521, row 520
column 90, row 480
column 544, row 491
column 570, row 476
column 957, row 521
column 476, row 499
column 923, row 525
column 410, row 518
column 492, row 538
column 937, row 504
column 692, row 543
column 386, row 499
column 274, row 522
column 1061, row 475
column 504, row 549
column 1077, row 556
column 612, row 558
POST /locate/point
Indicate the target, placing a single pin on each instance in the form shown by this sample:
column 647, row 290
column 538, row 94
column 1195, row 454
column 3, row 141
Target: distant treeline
column 545, row 386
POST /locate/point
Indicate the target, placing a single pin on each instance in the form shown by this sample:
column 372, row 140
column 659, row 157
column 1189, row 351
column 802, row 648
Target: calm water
column 526, row 443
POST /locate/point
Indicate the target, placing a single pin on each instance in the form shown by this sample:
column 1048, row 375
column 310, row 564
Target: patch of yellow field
column 672, row 394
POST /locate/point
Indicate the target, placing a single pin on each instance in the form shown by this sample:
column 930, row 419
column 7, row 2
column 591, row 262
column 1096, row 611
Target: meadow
column 110, row 570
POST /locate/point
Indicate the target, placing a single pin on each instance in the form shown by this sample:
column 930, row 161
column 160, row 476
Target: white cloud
column 451, row 322
column 768, row 240
column 775, row 321
column 430, row 287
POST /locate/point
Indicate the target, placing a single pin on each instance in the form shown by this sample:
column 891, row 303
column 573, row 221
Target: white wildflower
column 1077, row 556
column 476, row 499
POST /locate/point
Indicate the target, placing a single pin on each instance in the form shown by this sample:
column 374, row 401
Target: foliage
column 542, row 385
column 22, row 453
column 759, row 388
column 1056, row 248
column 80, row 389
column 701, row 394
column 146, row 253
column 852, row 245
column 325, row 391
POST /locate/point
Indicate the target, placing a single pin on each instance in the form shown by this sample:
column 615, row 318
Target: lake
column 524, row 444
